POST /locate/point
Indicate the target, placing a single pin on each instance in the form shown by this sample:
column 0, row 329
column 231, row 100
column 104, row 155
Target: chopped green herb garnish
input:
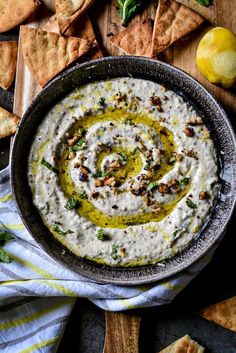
column 137, row 149
column 128, row 8
column 57, row 229
column 204, row 2
column 101, row 235
column 149, row 162
column 102, row 101
column 128, row 122
column 123, row 156
column 72, row 203
column 131, row 223
column 115, row 248
column 46, row 209
column 83, row 195
column 58, row 223
column 4, row 256
column 172, row 160
column 184, row 181
column 176, row 232
column 99, row 175
column 48, row 165
column 81, row 132
column 190, row 203
column 80, row 145
column 152, row 186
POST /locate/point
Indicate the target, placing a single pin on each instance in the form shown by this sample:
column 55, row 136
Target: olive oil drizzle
column 130, row 169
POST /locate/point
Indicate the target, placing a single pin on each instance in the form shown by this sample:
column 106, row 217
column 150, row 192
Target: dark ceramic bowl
column 184, row 85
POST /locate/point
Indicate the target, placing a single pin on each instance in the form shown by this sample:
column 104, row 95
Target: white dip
column 123, row 172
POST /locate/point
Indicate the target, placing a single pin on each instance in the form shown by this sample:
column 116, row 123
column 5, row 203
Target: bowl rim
column 125, row 279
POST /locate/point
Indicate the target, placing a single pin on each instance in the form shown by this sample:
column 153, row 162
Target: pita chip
column 8, row 56
column 81, row 28
column 68, row 11
column 184, row 345
column 8, row 123
column 222, row 313
column 173, row 21
column 13, row 13
column 46, row 54
column 135, row 39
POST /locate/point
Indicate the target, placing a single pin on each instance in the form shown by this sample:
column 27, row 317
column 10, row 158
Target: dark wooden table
column 160, row 325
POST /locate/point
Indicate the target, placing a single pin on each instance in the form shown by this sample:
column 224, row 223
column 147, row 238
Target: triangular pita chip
column 81, row 28
column 46, row 54
column 135, row 39
column 68, row 11
column 8, row 123
column 173, row 21
column 222, row 313
column 184, row 345
column 8, row 56
column 13, row 13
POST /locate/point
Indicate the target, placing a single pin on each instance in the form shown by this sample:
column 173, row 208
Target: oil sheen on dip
column 124, row 172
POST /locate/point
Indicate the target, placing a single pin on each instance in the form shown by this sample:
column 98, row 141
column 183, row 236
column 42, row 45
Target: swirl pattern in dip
column 124, row 172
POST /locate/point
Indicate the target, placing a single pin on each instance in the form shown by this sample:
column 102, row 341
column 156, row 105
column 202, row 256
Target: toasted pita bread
column 8, row 56
column 8, row 123
column 82, row 28
column 68, row 11
column 13, row 13
column 173, row 21
column 135, row 39
column 184, row 345
column 222, row 313
column 46, row 54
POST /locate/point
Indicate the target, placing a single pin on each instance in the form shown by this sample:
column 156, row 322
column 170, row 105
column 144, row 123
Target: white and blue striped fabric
column 37, row 294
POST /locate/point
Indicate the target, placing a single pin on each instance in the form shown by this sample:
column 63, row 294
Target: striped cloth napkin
column 37, row 294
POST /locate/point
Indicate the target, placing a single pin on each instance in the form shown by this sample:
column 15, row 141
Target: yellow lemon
column 216, row 57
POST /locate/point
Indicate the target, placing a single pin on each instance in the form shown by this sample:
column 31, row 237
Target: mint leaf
column 128, row 8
